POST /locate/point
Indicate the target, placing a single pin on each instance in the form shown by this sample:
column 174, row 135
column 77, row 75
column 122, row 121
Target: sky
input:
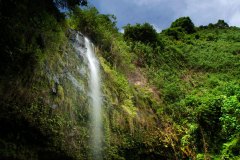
column 161, row 13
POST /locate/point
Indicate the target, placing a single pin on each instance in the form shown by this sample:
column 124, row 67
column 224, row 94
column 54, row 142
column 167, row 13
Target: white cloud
column 162, row 12
column 235, row 19
column 146, row 2
column 205, row 11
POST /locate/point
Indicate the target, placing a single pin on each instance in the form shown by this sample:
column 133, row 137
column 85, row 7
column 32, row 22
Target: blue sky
column 161, row 13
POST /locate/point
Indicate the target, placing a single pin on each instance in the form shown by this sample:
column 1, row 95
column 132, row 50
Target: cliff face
column 44, row 98
column 44, row 106
column 45, row 111
column 176, row 98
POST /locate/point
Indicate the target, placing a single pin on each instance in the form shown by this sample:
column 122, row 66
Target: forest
column 168, row 96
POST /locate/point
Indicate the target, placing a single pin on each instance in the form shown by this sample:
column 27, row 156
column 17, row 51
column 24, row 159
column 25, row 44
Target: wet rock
column 56, row 79
column 72, row 37
column 54, row 106
column 54, row 90
column 55, row 86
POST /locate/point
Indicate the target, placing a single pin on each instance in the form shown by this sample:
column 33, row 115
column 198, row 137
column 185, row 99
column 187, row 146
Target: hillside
column 168, row 95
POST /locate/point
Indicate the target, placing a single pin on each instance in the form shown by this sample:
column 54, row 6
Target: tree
column 144, row 33
column 185, row 23
column 24, row 26
column 176, row 32
column 221, row 24
column 70, row 3
column 94, row 25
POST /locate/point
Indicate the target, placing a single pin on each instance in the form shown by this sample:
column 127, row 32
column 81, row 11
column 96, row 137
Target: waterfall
column 95, row 95
column 95, row 100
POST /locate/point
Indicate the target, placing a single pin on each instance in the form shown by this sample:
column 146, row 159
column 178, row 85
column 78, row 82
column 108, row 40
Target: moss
column 44, row 108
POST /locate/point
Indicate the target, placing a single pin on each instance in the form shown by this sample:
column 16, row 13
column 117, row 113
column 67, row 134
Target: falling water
column 95, row 100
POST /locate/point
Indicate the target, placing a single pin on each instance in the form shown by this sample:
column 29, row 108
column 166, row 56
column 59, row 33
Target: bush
column 211, row 37
column 231, row 116
column 185, row 23
column 98, row 27
column 144, row 33
column 176, row 32
column 221, row 24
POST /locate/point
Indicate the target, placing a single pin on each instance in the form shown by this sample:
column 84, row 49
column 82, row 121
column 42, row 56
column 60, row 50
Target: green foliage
column 185, row 23
column 200, row 114
column 221, row 24
column 176, row 32
column 70, row 3
column 186, row 106
column 230, row 111
column 144, row 33
column 231, row 149
column 144, row 54
column 24, row 40
column 172, row 92
column 30, row 128
column 211, row 37
column 191, row 75
column 180, row 27
column 98, row 27
column 101, row 29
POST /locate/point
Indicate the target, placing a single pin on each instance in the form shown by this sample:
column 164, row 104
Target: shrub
column 221, row 24
column 176, row 32
column 231, row 115
column 144, row 33
column 185, row 23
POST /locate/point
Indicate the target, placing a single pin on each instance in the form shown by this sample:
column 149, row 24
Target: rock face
column 68, row 75
column 44, row 107
column 50, row 114
column 45, row 114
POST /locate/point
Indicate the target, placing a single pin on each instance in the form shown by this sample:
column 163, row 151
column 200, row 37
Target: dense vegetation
column 168, row 95
column 196, row 72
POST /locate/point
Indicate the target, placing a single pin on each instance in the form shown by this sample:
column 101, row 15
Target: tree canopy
column 185, row 23
column 178, row 91
column 70, row 3
column 144, row 33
